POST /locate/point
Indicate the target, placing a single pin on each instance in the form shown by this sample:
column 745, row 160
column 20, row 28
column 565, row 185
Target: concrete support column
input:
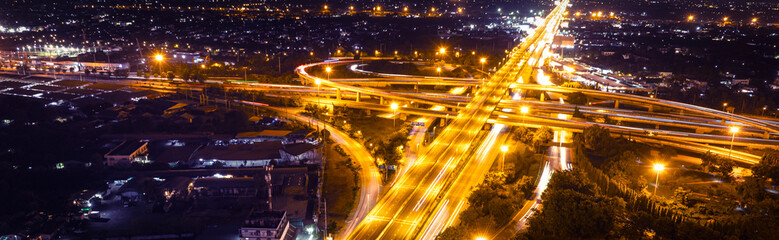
column 542, row 97
column 338, row 94
column 416, row 86
column 358, row 96
column 381, row 100
column 616, row 104
column 766, row 135
column 651, row 108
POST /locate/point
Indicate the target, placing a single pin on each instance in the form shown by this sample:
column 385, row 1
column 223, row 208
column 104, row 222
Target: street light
column 690, row 18
column 439, row 71
column 159, row 59
column 482, row 60
column 394, row 107
column 328, row 69
column 481, row 238
column 524, row 110
column 503, row 149
column 733, row 130
column 658, row 168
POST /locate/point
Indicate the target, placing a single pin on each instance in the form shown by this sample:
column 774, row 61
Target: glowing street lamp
column 159, row 58
column 482, row 61
column 481, row 238
column 524, row 110
column 394, row 107
column 503, row 149
column 328, row 69
column 439, row 71
column 442, row 50
column 690, row 18
column 658, row 168
column 754, row 20
column 733, row 130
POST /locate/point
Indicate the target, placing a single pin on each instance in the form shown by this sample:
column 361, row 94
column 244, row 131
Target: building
column 300, row 153
column 560, row 41
column 256, row 154
column 264, row 135
column 267, row 225
column 220, row 192
column 126, row 153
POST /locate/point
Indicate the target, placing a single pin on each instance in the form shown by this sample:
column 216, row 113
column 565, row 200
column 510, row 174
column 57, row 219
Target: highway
column 370, row 178
column 405, row 208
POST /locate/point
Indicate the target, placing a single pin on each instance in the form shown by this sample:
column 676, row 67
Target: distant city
column 424, row 119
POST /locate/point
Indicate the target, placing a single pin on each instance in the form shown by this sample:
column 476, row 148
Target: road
column 370, row 178
column 405, row 208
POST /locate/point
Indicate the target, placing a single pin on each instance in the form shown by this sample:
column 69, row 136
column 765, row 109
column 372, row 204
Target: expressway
column 433, row 186
column 404, row 210
column 370, row 178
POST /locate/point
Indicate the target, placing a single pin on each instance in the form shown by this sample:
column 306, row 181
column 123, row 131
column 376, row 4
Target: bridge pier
column 616, row 104
column 542, row 97
column 651, row 108
column 381, row 100
column 766, row 135
column 416, row 86
column 358, row 97
column 338, row 94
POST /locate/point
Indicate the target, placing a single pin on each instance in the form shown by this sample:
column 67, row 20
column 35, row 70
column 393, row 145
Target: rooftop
column 256, row 151
column 126, row 148
column 264, row 219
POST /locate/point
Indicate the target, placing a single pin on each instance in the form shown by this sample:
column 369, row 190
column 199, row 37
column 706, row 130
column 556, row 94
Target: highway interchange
column 432, row 188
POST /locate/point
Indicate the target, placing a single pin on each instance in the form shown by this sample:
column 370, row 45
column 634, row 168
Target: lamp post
column 439, row 71
column 481, row 238
column 503, row 149
column 524, row 110
column 733, row 130
column 658, row 168
column 394, row 107
column 328, row 69
column 159, row 59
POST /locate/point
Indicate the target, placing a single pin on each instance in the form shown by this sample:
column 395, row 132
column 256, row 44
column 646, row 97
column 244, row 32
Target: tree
column 682, row 196
column 577, row 98
column 571, row 85
column 752, row 190
column 768, row 167
column 522, row 134
column 573, row 209
column 454, row 233
column 717, row 164
column 542, row 137
column 577, row 113
column 598, row 139
column 523, row 188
